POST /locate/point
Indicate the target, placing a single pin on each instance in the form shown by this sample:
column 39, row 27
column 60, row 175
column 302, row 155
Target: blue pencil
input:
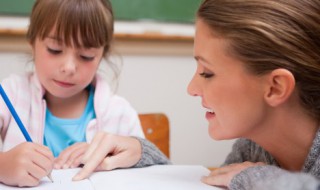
column 17, row 118
column 15, row 115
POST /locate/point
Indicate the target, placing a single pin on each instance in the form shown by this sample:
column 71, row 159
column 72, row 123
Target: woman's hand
column 107, row 152
column 71, row 157
column 25, row 164
column 223, row 176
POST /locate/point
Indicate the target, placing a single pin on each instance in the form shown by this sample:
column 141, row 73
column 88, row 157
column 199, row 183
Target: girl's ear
column 281, row 84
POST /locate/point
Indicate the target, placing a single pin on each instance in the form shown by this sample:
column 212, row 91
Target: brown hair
column 87, row 23
column 271, row 34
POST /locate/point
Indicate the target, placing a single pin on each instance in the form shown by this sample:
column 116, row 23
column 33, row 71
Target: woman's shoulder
column 248, row 150
column 245, row 145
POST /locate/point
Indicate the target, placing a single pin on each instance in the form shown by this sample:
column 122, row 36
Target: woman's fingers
column 101, row 147
column 93, row 146
column 108, row 152
column 223, row 176
column 216, row 180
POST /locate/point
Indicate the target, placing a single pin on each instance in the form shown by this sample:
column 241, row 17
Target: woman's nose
column 194, row 87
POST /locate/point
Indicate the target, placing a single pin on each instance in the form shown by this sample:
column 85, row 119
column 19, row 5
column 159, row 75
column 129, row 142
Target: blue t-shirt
column 61, row 133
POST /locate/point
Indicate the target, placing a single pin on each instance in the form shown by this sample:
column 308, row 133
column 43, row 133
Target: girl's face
column 232, row 97
column 64, row 71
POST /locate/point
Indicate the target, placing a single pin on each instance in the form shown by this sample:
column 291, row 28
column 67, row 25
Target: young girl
column 258, row 76
column 64, row 102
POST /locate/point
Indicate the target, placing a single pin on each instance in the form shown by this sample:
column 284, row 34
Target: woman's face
column 232, row 96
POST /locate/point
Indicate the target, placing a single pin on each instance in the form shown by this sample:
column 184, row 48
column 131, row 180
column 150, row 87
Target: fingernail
column 77, row 177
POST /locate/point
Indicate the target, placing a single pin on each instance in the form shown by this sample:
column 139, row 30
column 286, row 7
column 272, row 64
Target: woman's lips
column 210, row 115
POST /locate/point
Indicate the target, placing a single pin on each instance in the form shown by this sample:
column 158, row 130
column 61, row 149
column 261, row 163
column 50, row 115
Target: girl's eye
column 206, row 75
column 86, row 58
column 54, row 51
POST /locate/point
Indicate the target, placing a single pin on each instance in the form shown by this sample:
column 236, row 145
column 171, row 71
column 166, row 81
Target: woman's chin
column 218, row 135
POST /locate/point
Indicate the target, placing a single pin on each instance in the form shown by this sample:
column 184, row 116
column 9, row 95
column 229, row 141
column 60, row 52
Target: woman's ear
column 280, row 86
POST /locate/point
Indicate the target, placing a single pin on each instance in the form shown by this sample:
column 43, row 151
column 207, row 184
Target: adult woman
column 267, row 54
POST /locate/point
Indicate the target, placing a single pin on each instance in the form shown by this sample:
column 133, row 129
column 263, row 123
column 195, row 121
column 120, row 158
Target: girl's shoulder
column 16, row 81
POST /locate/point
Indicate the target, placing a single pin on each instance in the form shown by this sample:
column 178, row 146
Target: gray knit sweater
column 267, row 177
column 272, row 176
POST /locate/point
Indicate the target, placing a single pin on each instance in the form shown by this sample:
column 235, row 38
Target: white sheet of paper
column 164, row 177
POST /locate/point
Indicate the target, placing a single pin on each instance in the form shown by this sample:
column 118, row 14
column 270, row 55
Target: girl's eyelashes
column 54, row 51
column 58, row 51
column 87, row 58
column 206, row 75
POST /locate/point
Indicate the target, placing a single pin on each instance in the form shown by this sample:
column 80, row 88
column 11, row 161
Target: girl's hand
column 107, row 152
column 223, row 176
column 71, row 157
column 25, row 164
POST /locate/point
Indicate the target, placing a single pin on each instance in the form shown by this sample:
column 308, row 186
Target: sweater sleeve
column 265, row 177
column 271, row 177
column 151, row 155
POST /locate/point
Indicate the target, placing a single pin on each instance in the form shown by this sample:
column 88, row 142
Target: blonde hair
column 83, row 23
column 271, row 34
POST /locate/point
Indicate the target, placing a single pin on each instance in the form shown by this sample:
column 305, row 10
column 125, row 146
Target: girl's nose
column 69, row 66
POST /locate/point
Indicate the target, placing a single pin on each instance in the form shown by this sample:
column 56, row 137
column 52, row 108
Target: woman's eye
column 86, row 58
column 54, row 51
column 206, row 75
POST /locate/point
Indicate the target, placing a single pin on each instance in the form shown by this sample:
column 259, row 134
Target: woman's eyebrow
column 200, row 58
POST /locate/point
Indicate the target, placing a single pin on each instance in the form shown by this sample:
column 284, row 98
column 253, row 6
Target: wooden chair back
column 156, row 129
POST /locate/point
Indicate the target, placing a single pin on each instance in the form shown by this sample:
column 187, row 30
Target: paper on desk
column 164, row 177
column 62, row 180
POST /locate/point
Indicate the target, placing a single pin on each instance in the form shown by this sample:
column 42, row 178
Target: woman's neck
column 288, row 138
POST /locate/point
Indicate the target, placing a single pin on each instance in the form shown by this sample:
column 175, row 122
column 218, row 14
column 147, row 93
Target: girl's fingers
column 28, row 181
column 76, row 162
column 37, row 171
column 41, row 161
column 62, row 158
column 76, row 156
column 65, row 157
column 44, row 150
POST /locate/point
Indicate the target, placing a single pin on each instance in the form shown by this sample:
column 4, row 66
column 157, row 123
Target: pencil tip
column 49, row 176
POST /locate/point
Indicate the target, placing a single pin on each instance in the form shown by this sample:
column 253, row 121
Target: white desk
column 160, row 177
